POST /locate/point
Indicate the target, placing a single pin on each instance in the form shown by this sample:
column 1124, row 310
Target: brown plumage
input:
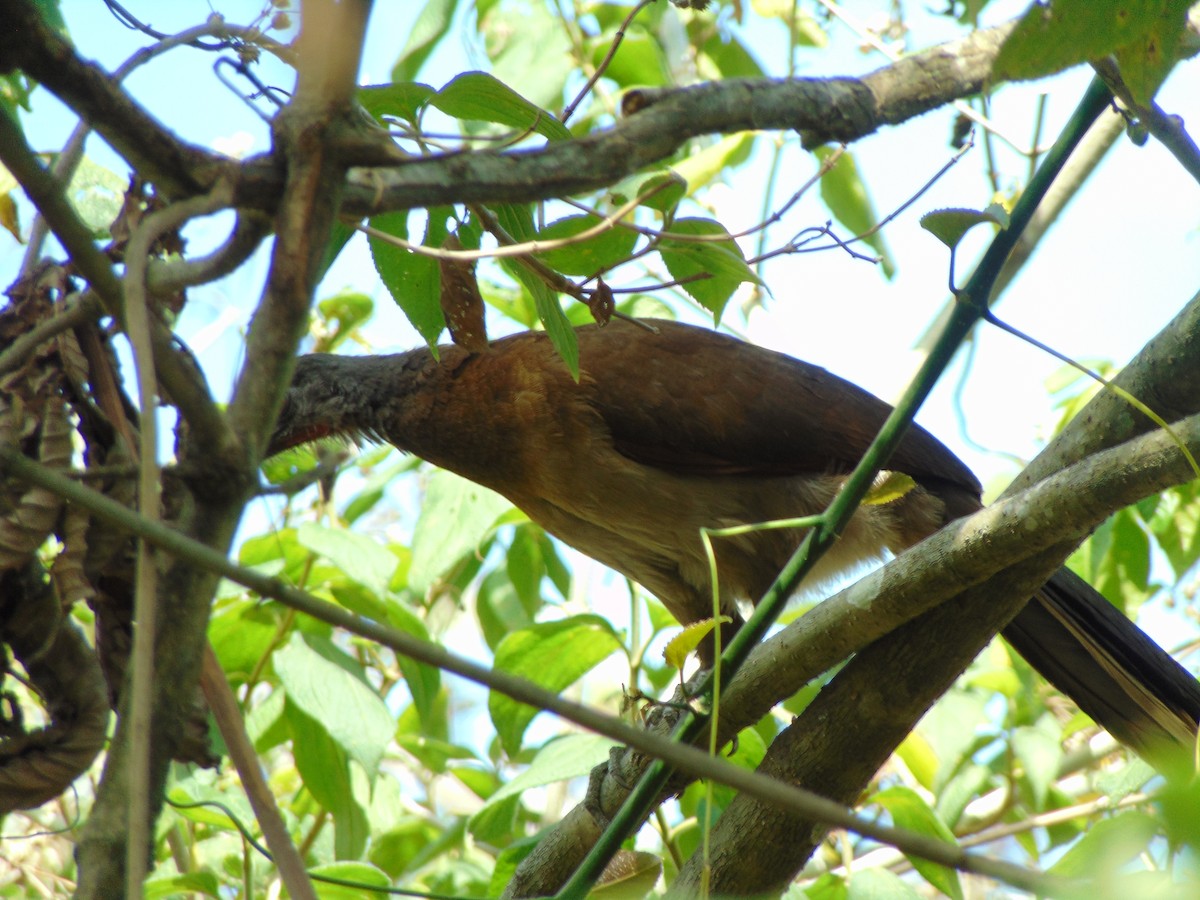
column 669, row 431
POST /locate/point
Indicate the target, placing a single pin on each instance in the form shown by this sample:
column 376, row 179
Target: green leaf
column 750, row 751
column 569, row 756
column 877, row 884
column 910, row 812
column 1147, row 58
column 341, row 314
column 949, row 225
column 241, row 633
column 721, row 54
column 478, row 96
column 1144, row 35
column 349, row 712
column 1116, row 560
column 950, row 728
column 970, row 782
column 325, row 770
column 360, row 557
column 367, row 875
column 433, row 753
column 1175, row 525
column 676, row 652
column 888, row 488
column 430, row 27
column 662, row 190
column 1039, row 749
column 591, row 255
column 700, row 169
column 550, row 313
column 639, row 61
column 529, row 49
column 525, row 567
column 339, row 236
column 721, row 261
column 630, row 875
column 97, row 195
column 424, row 681
column 1107, row 846
column 403, row 100
column 551, row 654
column 190, row 883
column 413, row 280
column 456, row 516
column 843, row 191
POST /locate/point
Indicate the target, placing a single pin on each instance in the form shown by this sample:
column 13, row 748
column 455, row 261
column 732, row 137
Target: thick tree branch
column 879, row 696
column 221, row 472
column 658, row 124
column 1161, row 465
column 29, row 44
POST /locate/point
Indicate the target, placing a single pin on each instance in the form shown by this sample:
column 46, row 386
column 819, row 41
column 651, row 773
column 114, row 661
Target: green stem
column 972, row 304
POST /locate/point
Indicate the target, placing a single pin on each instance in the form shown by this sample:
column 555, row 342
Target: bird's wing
column 693, row 401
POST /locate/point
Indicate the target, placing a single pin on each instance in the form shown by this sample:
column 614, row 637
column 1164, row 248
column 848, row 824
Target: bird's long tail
column 1117, row 675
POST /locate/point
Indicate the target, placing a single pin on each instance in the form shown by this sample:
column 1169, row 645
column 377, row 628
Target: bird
column 670, row 428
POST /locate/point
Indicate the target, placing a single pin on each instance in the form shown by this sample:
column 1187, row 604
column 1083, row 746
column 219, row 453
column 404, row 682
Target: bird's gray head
column 328, row 397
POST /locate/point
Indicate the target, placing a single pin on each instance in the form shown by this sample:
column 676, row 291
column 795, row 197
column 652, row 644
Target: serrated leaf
column 551, row 654
column 888, row 487
column 949, row 225
column 590, row 255
column 677, row 649
column 1050, row 38
column 550, row 313
column 478, row 96
column 912, row 813
column 721, row 262
column 412, row 279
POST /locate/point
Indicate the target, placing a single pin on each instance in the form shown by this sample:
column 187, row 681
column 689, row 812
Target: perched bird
column 677, row 428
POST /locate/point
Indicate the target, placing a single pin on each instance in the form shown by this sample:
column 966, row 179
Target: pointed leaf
column 430, row 27
column 677, row 649
column 412, row 279
column 912, row 813
column 478, row 96
column 551, row 654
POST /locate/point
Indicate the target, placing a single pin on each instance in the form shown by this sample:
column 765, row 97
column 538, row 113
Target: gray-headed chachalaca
column 673, row 429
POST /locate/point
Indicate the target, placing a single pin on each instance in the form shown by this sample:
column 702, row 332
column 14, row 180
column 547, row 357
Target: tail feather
column 1107, row 665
